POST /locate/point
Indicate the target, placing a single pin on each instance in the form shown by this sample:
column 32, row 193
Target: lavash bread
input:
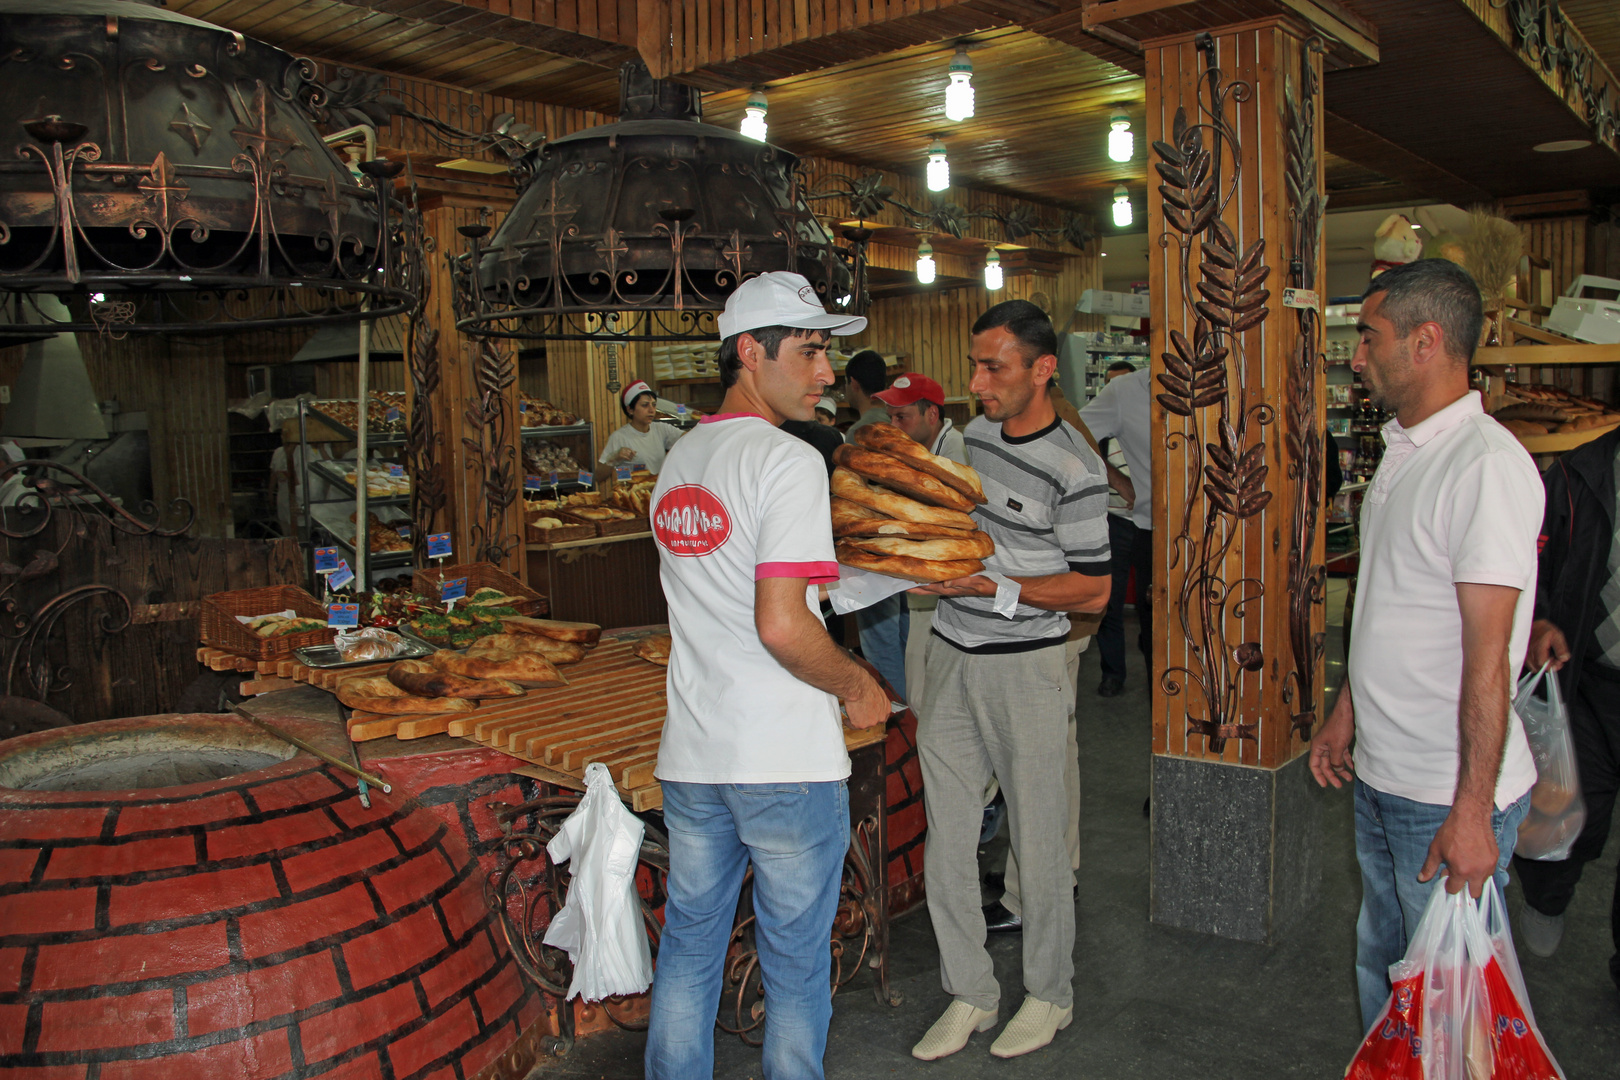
column 529, row 669
column 422, row 678
column 897, row 475
column 899, row 530
column 974, row 545
column 376, row 694
column 921, row 571
column 558, row 652
column 846, row 514
column 582, row 633
column 890, row 440
column 848, row 484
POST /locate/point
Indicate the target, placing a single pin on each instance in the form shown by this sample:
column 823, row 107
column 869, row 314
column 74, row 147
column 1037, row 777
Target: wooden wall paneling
column 1252, row 576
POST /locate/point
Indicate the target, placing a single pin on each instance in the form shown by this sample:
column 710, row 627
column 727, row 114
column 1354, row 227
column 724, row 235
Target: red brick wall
column 261, row 925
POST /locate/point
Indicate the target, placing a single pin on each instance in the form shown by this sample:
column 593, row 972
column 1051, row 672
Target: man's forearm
column 1065, row 592
column 1482, row 711
column 800, row 643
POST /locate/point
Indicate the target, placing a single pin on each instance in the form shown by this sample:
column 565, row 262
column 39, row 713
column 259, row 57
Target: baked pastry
column 558, row 652
column 376, row 694
column 530, row 669
column 897, row 475
column 849, row 485
column 1525, row 427
column 1540, row 412
column 888, row 439
column 422, row 678
column 900, row 530
column 584, row 633
column 655, row 649
column 905, row 566
column 973, row 545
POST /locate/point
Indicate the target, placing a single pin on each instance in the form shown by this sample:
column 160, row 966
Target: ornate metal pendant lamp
column 161, row 173
column 644, row 226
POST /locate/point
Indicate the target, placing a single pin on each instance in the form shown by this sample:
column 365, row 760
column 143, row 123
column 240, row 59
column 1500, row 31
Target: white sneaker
column 953, row 1029
column 1540, row 933
column 1035, row 1025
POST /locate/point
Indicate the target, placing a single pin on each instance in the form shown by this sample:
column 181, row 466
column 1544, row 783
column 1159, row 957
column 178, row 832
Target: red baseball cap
column 909, row 388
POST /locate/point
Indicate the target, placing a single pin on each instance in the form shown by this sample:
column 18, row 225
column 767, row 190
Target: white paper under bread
column 857, row 589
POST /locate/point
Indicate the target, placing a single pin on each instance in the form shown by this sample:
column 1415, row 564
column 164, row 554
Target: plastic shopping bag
column 1557, row 811
column 1518, row 1051
column 600, row 925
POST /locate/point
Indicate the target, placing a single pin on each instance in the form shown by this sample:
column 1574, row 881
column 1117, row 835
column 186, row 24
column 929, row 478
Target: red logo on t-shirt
column 690, row 521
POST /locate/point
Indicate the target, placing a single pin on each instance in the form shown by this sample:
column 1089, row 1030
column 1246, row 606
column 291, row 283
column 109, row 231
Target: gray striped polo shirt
column 1047, row 511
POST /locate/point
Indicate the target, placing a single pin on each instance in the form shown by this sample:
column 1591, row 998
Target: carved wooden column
column 1234, row 126
column 475, row 408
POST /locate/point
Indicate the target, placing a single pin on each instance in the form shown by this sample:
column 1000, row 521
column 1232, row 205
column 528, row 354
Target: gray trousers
column 1006, row 716
column 1071, row 784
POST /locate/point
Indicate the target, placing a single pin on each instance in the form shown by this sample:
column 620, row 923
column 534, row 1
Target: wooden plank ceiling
column 1431, row 121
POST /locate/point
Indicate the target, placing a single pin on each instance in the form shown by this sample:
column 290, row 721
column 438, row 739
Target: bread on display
column 899, row 475
column 888, row 439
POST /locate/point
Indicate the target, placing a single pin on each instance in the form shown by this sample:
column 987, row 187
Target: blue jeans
column 1392, row 841
column 796, row 835
column 884, row 629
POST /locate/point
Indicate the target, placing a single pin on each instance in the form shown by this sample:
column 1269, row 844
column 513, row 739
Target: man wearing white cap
column 752, row 759
column 643, row 441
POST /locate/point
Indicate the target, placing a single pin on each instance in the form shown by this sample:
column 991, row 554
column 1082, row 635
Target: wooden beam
column 1102, row 12
column 1341, row 24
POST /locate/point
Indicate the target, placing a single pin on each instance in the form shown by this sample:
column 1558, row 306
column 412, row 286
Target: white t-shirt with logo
column 1455, row 499
column 738, row 501
column 649, row 447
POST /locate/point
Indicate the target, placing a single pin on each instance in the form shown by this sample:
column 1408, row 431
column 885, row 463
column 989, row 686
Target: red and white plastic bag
column 1458, row 1009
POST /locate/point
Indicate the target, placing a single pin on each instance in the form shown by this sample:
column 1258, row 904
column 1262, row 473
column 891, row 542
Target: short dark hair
column 770, row 339
column 1437, row 291
column 1024, row 321
column 868, row 369
column 627, row 407
column 1122, row 365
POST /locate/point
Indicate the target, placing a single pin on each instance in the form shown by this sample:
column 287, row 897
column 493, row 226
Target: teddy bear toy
column 1395, row 244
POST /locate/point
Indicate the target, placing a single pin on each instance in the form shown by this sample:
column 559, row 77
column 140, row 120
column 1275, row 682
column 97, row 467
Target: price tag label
column 396, row 470
column 623, row 473
column 439, row 545
column 341, row 615
column 390, row 415
column 553, row 478
column 404, row 532
column 1301, row 298
column 452, row 590
column 532, row 482
column 341, row 577
column 326, row 560
column 584, row 479
column 523, row 406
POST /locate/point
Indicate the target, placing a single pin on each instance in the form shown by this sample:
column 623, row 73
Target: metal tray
column 327, row 656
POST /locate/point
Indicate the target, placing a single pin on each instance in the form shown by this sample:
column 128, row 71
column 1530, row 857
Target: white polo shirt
column 1455, row 499
column 1122, row 411
column 740, row 500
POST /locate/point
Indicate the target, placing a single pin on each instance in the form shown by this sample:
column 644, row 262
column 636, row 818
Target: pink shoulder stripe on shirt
column 712, row 417
column 819, row 573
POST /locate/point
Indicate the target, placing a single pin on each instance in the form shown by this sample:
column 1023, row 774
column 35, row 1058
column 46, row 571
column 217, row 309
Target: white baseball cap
column 782, row 298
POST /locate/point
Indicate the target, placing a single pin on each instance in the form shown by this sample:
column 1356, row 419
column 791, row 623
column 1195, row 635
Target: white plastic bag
column 600, row 926
column 1557, row 811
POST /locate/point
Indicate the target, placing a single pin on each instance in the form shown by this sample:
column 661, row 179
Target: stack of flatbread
column 901, row 511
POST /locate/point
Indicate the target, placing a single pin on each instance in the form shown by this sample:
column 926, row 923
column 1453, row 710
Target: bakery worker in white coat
column 643, row 441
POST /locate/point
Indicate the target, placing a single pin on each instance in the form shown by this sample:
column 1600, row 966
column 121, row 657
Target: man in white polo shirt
column 1442, row 771
column 752, row 759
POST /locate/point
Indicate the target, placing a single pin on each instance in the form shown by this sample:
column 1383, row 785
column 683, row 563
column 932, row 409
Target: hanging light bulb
column 925, row 263
column 1122, row 206
column 959, row 91
column 1121, row 144
column 753, row 122
column 939, row 170
column 992, row 271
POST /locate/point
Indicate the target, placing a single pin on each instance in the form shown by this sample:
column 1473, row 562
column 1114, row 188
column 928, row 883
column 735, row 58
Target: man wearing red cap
column 916, row 406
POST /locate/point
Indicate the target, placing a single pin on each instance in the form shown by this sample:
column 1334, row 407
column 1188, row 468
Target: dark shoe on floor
column 1110, row 687
column 998, row 920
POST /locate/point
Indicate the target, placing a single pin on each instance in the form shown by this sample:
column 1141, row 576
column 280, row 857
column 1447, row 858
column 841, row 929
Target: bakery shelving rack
column 1548, row 350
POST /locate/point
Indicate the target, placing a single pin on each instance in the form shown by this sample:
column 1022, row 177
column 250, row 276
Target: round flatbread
column 423, row 679
column 899, row 530
column 973, row 545
column 888, row 439
column 849, row 485
column 904, row 566
column 377, row 695
column 895, row 474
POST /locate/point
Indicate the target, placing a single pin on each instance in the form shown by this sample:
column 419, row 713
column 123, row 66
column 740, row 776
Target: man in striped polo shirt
column 997, row 695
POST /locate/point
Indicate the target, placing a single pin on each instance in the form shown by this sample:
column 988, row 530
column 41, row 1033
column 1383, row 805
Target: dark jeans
column 1129, row 547
column 1594, row 719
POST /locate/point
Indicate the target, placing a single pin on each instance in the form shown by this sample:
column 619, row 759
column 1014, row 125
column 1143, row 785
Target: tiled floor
column 1159, row 1003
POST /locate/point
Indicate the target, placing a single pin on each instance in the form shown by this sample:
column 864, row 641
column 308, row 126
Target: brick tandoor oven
column 238, row 913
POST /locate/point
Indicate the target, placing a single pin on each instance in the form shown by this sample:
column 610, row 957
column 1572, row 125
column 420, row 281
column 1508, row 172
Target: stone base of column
column 1236, row 849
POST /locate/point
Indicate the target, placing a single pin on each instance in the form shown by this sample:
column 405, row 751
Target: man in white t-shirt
column 642, row 441
column 752, row 759
column 1442, row 771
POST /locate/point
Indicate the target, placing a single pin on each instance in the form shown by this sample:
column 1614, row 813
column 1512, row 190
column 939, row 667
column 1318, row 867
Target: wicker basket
column 219, row 628
column 620, row 527
column 558, row 535
column 482, row 575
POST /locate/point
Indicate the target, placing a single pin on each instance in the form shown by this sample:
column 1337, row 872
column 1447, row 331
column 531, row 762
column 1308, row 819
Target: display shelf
column 591, row 541
column 555, row 431
column 1545, row 355
column 1558, row 442
column 334, row 476
column 334, row 518
column 373, row 438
